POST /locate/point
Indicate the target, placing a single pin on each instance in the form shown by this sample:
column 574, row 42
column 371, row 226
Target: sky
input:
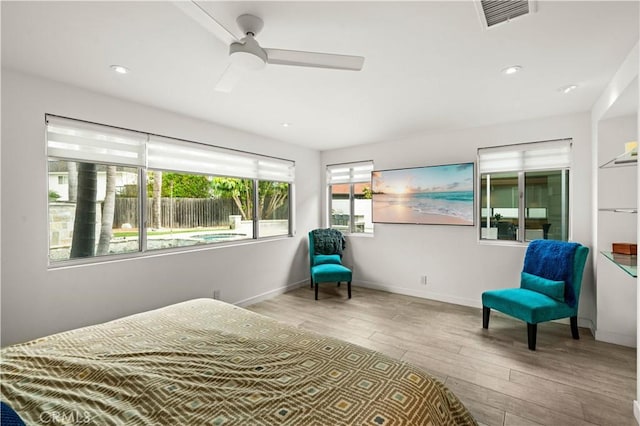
column 454, row 177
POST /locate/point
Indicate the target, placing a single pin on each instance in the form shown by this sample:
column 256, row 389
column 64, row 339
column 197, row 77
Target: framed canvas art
column 438, row 195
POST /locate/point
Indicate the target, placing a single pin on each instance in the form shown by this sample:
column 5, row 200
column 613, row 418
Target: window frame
column 143, row 220
column 521, row 176
column 351, row 181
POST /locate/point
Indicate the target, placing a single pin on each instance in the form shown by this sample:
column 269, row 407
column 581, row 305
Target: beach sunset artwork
column 440, row 195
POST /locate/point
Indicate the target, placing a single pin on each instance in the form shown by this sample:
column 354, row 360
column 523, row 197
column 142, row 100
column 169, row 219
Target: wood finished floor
column 564, row 382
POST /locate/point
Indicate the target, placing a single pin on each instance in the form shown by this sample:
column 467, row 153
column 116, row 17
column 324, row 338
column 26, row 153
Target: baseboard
column 271, row 293
column 616, row 338
column 422, row 294
column 587, row 323
column 636, row 411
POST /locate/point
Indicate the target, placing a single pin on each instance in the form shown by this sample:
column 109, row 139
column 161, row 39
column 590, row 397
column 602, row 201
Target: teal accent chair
column 327, row 267
column 538, row 300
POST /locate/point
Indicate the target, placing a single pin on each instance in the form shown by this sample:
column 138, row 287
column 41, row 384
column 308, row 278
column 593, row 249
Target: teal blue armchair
column 550, row 286
column 325, row 259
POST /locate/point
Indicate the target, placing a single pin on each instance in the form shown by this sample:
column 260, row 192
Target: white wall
column 37, row 301
column 457, row 266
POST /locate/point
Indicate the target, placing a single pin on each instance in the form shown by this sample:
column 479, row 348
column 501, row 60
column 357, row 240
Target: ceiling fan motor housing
column 248, row 54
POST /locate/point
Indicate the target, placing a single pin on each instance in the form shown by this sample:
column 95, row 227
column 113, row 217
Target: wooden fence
column 184, row 212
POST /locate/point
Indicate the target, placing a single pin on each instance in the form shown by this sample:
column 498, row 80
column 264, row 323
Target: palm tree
column 72, row 180
column 83, row 242
column 108, row 209
column 156, row 216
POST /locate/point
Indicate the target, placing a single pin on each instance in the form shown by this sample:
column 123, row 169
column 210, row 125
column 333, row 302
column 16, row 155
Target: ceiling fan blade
column 204, row 18
column 313, row 59
column 230, row 77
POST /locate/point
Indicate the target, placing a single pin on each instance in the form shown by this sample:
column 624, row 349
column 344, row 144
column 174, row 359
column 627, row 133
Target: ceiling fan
column 247, row 55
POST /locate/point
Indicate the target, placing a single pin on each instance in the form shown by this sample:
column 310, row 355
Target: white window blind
column 168, row 154
column 349, row 172
column 172, row 154
column 546, row 155
column 78, row 140
column 83, row 141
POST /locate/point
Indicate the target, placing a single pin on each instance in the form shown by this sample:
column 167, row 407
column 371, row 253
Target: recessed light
column 285, row 124
column 567, row 89
column 120, row 69
column 511, row 70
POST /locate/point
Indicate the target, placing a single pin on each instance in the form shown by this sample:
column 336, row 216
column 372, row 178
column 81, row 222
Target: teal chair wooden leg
column 532, row 331
column 486, row 312
column 574, row 328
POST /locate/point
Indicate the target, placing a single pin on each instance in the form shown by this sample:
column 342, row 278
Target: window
column 349, row 189
column 524, row 191
column 186, row 209
column 115, row 192
column 108, row 218
column 273, row 208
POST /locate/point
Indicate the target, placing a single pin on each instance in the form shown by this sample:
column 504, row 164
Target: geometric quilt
column 208, row 362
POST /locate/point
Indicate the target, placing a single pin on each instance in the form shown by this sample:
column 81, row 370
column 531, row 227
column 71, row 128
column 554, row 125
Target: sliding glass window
column 349, row 190
column 100, row 202
column 273, row 208
column 186, row 209
column 524, row 191
column 118, row 192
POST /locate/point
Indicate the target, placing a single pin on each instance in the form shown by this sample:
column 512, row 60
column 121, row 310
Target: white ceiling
column 429, row 65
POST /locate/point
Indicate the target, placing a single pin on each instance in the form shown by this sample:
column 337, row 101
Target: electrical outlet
column 216, row 294
column 423, row 280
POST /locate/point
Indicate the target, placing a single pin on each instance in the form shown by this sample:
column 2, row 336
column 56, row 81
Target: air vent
column 494, row 12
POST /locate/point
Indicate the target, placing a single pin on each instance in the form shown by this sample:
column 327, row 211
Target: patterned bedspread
column 207, row 362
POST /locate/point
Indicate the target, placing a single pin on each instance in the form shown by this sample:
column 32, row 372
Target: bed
column 208, row 362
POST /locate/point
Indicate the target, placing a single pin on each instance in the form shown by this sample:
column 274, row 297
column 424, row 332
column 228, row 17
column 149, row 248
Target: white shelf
column 622, row 160
column 619, row 210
